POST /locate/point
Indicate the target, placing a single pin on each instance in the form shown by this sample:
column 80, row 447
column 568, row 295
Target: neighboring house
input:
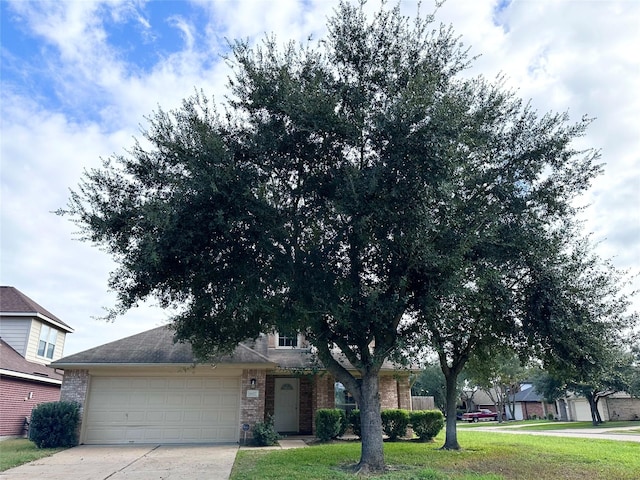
column 530, row 404
column 148, row 389
column 618, row 406
column 30, row 338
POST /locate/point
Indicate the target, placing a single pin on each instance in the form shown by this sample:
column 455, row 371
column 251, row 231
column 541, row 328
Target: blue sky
column 78, row 77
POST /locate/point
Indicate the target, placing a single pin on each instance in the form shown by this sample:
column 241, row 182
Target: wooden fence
column 422, row 403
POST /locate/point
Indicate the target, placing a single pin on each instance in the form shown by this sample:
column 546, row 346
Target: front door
column 286, row 400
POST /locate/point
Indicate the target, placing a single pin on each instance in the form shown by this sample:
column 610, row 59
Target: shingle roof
column 155, row 346
column 528, row 395
column 13, row 300
column 12, row 361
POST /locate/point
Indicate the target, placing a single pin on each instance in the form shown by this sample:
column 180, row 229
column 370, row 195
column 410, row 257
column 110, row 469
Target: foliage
column 15, row 452
column 431, row 382
column 329, row 423
column 395, row 423
column 498, row 374
column 264, row 433
column 55, row 424
column 358, row 190
column 426, row 423
column 354, row 421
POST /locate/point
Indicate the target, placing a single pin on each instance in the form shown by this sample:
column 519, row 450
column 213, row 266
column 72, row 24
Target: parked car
column 480, row 415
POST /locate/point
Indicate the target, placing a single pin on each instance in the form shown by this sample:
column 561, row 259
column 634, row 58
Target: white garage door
column 185, row 409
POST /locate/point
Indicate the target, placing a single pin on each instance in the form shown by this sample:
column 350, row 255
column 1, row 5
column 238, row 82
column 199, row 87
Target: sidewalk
column 593, row 433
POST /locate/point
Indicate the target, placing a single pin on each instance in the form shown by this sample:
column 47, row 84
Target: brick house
column 30, row 338
column 148, row 389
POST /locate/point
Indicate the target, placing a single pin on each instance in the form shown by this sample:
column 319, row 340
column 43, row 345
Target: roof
column 158, row 347
column 14, row 365
column 528, row 395
column 13, row 301
column 153, row 347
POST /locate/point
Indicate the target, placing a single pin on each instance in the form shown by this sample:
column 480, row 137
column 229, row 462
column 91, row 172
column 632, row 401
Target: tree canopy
column 357, row 189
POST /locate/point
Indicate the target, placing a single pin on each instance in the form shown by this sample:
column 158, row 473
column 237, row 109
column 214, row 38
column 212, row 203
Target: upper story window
column 47, row 343
column 287, row 340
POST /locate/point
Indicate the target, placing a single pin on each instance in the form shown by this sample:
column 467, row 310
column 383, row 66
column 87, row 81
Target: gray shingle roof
column 528, row 395
column 13, row 300
column 155, row 346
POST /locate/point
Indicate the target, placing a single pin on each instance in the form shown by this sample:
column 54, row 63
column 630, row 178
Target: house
column 30, row 338
column 530, row 404
column 148, row 389
column 618, row 406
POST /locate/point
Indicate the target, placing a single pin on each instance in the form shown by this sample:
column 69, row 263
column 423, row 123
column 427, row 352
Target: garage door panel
column 170, row 410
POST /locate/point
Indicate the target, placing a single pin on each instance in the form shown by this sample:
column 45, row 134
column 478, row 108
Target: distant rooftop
column 13, row 300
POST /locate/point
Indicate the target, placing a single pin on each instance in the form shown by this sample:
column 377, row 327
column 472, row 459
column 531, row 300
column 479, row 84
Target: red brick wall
column 535, row 408
column 15, row 403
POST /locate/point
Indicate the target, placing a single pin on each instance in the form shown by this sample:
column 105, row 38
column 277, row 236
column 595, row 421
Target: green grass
column 17, row 451
column 579, row 425
column 486, row 456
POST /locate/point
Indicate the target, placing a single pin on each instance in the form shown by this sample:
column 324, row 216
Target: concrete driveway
column 139, row 462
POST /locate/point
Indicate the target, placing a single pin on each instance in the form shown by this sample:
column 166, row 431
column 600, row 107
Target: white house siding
column 15, row 331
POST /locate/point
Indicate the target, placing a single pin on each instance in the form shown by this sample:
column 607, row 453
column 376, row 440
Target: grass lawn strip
column 578, row 425
column 487, row 456
column 15, row 452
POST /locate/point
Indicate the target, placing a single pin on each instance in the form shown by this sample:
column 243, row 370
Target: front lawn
column 487, row 456
column 579, row 425
column 17, row 451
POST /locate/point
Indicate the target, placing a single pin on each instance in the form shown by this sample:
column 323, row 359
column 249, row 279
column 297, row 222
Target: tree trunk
column 451, row 438
column 372, row 454
column 593, row 405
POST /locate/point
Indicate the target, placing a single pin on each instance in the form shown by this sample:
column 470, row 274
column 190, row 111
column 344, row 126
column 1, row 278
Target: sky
column 78, row 79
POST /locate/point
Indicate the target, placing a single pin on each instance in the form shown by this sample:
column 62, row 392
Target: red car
column 482, row 414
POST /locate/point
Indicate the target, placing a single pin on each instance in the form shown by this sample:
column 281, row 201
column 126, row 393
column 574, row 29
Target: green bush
column 55, row 424
column 426, row 423
column 395, row 423
column 264, row 433
column 344, row 423
column 551, row 416
column 329, row 423
column 354, row 421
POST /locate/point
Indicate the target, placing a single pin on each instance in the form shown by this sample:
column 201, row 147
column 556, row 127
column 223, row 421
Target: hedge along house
column 31, row 337
column 148, row 389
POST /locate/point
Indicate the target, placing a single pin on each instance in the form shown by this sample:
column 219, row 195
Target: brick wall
column 16, row 402
column 623, row 408
column 252, row 410
column 529, row 409
column 388, row 393
column 323, row 395
column 306, row 406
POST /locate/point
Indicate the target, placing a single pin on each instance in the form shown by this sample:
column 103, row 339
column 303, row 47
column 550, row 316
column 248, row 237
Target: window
column 343, row 399
column 47, row 343
column 287, row 340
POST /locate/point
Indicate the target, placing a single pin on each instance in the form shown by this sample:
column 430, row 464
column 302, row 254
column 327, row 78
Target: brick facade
column 623, row 408
column 252, row 410
column 529, row 409
column 18, row 398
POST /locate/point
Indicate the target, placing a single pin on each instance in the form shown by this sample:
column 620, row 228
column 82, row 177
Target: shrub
column 264, row 433
column 55, row 424
column 426, row 423
column 551, row 416
column 395, row 423
column 354, row 421
column 344, row 423
column 329, row 423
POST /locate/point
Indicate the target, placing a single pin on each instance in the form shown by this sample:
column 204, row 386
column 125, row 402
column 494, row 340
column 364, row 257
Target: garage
column 162, row 409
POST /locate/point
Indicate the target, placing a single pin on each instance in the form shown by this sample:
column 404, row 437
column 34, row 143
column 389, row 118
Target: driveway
column 139, row 462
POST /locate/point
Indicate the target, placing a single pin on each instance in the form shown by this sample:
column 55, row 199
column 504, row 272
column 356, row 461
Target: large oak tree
column 351, row 189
